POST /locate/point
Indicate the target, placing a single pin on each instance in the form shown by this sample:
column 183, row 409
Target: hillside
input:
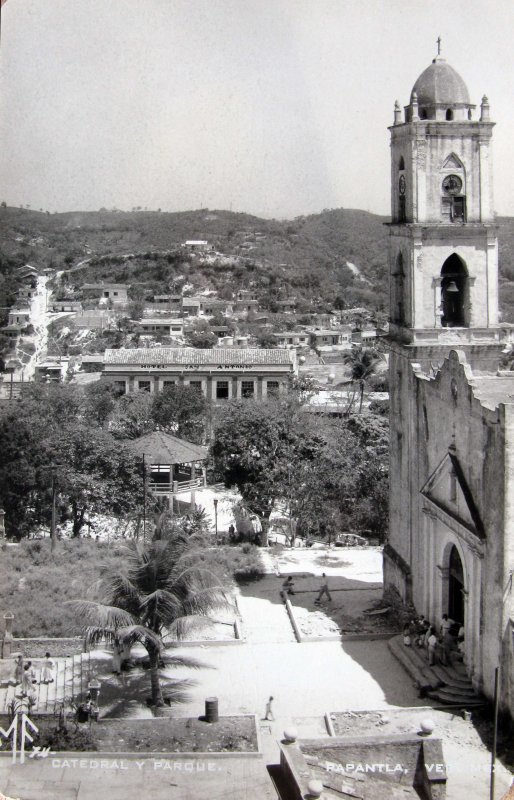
column 337, row 256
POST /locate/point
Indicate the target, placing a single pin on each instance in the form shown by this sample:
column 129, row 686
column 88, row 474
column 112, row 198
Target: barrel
column 211, row 709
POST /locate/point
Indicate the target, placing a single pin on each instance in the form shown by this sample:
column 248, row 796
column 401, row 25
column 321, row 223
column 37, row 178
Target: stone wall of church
column 450, row 415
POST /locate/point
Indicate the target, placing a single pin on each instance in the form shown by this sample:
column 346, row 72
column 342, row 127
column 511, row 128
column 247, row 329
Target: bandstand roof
column 164, row 448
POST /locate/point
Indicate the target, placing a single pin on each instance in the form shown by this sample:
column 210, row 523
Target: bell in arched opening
column 454, row 293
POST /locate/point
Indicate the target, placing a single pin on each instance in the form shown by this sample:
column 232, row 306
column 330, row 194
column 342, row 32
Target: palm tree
column 159, row 594
column 362, row 362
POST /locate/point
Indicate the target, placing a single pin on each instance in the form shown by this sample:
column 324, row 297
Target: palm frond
column 100, row 615
column 184, row 661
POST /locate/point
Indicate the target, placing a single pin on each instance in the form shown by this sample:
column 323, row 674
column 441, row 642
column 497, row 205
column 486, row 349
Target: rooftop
column 163, row 448
column 193, row 355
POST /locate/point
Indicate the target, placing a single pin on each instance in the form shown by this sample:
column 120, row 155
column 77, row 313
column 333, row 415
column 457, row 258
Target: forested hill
column 339, row 252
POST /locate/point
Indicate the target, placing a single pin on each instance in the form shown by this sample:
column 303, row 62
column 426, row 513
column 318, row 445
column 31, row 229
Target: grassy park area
column 35, row 583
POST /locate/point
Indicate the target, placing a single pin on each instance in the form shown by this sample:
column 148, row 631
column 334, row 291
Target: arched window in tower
column 402, row 185
column 453, row 192
column 398, row 291
column 454, row 293
column 449, row 114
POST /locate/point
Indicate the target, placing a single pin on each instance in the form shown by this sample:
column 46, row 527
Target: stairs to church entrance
column 448, row 685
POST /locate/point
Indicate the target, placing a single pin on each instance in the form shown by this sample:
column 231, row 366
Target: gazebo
column 175, row 466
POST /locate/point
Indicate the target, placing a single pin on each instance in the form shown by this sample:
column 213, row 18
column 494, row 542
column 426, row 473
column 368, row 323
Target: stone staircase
column 449, row 685
column 71, row 677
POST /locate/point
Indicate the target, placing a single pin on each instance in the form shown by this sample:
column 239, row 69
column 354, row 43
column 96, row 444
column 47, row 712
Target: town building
column 451, row 538
column 221, row 374
column 66, row 305
column 292, row 339
column 331, row 338
column 197, row 245
column 163, row 326
column 19, row 316
column 117, row 293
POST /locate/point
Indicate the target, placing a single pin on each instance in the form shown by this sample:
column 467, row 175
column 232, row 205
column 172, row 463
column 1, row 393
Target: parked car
column 350, row 540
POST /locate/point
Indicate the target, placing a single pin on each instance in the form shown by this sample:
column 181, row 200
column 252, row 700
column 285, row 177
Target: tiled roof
column 105, row 286
column 193, row 355
column 163, row 448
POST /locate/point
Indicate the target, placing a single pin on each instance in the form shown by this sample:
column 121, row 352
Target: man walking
column 268, row 715
column 323, row 590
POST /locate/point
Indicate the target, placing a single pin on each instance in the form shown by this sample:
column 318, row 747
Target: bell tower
column 443, row 259
column 443, row 245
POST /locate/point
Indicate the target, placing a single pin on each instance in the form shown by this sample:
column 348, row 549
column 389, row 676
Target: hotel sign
column 199, row 367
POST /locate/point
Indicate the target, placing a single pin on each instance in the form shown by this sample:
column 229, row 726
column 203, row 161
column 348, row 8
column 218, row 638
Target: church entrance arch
column 455, row 587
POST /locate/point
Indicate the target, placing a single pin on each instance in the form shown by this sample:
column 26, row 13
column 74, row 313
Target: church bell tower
column 443, row 245
column 443, row 259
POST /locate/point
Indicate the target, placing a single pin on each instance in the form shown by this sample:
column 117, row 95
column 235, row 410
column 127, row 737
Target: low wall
column 37, row 647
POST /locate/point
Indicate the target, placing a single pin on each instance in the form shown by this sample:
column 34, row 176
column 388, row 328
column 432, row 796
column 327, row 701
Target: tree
column 53, row 444
column 257, row 447
column 132, row 416
column 94, row 474
column 162, row 593
column 182, row 410
column 100, row 400
column 362, row 362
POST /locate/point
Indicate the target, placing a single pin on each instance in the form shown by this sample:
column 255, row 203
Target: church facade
column 451, row 542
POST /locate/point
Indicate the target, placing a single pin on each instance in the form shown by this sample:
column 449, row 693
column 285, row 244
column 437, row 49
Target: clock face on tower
column 401, row 184
column 452, row 184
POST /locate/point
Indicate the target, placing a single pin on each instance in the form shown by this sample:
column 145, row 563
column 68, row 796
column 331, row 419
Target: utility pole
column 495, row 729
column 215, row 501
column 52, row 524
column 144, row 499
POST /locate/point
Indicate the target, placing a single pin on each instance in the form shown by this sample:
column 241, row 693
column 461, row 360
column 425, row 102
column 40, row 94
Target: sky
column 274, row 107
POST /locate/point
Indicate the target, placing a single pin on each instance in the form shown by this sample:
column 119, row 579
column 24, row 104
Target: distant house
column 12, row 331
column 210, row 307
column 27, row 273
column 92, row 363
column 66, row 305
column 245, row 306
column 364, row 335
column 330, row 337
column 292, row 339
column 19, row 316
column 219, row 330
column 197, row 245
column 115, row 292
column 51, row 370
column 173, row 301
column 287, row 306
column 190, row 306
column 26, row 293
column 233, row 341
column 165, row 326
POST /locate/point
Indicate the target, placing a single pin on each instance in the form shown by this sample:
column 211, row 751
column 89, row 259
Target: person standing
column 47, row 671
column 446, row 624
column 28, row 679
column 18, row 670
column 432, row 647
column 323, row 590
column 268, row 714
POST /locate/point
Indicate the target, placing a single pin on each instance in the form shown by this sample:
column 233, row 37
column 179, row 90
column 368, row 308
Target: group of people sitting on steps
column 442, row 646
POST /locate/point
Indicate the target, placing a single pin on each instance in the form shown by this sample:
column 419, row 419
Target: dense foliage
column 324, row 475
column 62, row 441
